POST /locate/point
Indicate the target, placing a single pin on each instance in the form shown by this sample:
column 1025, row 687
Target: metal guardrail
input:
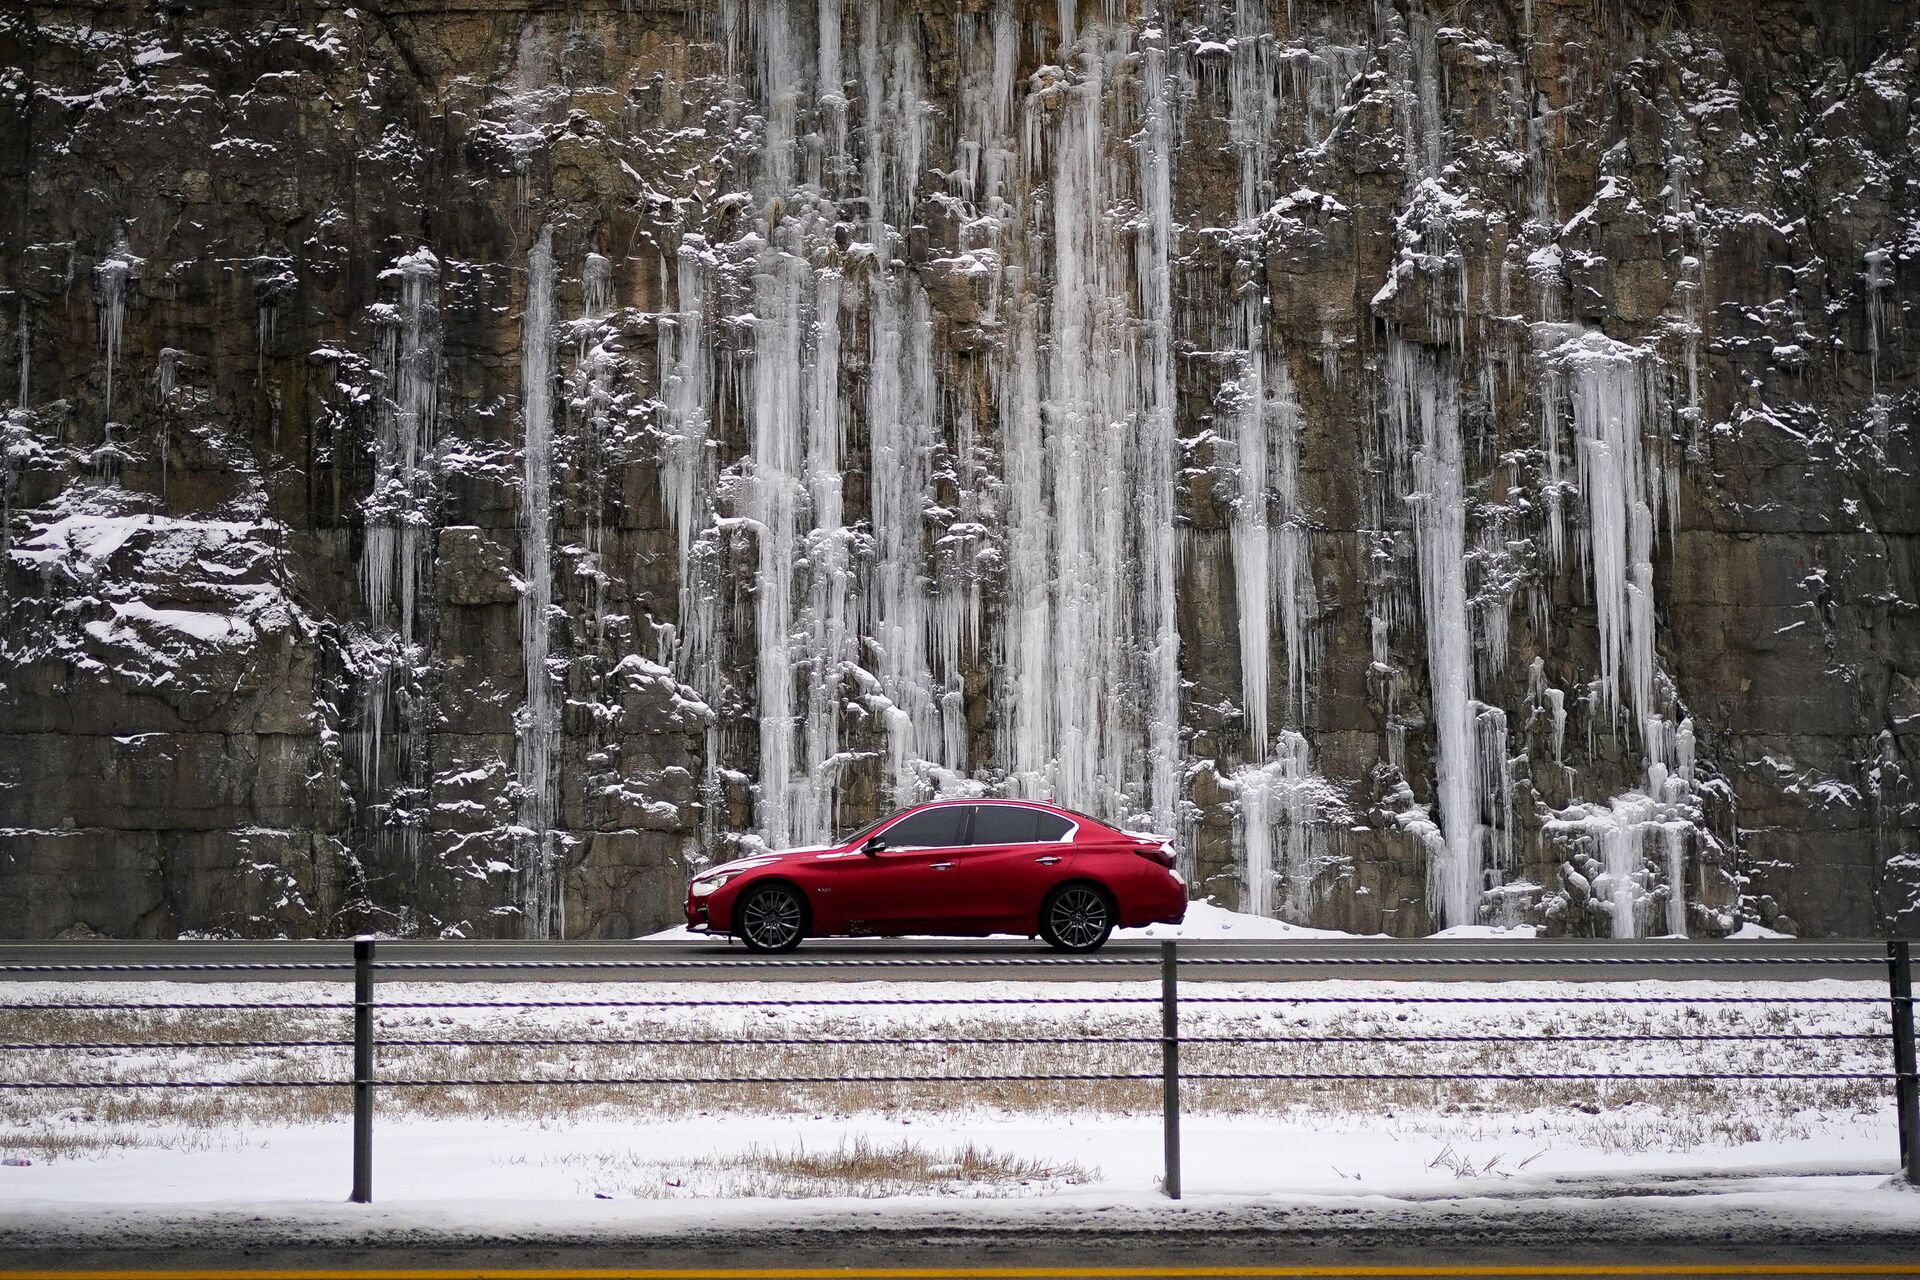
column 364, row 1081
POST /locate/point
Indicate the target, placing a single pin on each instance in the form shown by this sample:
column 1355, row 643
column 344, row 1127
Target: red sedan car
column 962, row 868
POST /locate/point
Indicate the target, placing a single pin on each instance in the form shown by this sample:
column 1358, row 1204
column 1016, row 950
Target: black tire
column 771, row 918
column 1077, row 917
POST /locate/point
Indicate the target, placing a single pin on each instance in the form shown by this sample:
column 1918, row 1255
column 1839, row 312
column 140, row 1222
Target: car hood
column 768, row 859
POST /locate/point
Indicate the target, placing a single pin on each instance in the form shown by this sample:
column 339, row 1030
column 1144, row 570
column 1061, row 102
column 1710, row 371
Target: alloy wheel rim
column 772, row 918
column 1079, row 917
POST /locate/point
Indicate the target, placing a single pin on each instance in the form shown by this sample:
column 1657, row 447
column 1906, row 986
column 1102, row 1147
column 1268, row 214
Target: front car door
column 913, row 881
column 1016, row 854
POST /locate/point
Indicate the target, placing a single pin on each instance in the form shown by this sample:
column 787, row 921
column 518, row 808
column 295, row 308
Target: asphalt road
column 979, row 960
column 1644, row 1230
column 511, row 1265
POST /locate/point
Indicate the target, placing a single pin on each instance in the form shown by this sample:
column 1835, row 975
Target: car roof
column 1045, row 805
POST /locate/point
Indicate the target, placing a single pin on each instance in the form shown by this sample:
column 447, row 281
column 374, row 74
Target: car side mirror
column 875, row 845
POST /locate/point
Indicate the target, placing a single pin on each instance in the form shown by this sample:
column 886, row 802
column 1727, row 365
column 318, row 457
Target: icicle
column 770, row 502
column 918, row 646
column 1153, row 280
column 23, row 337
column 1620, row 855
column 1495, row 786
column 596, row 289
column 685, row 350
column 1269, row 554
column 1674, row 838
column 1423, row 415
column 1283, row 808
column 1643, row 835
column 266, row 318
column 1879, row 279
column 1623, row 487
column 538, row 725
column 110, row 289
column 396, row 513
column 1070, row 661
column 831, row 577
column 1555, row 486
column 391, row 565
column 1879, row 282
column 1249, row 131
column 166, row 376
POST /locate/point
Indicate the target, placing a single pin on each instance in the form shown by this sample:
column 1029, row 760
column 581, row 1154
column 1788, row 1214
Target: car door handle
column 1046, row 862
column 940, row 866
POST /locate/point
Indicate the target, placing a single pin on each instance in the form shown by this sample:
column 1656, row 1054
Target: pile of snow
column 1208, row 920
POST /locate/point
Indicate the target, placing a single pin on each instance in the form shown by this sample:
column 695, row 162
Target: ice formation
column 1268, row 547
column 110, row 279
column 1626, row 490
column 398, row 510
column 537, row 726
column 1024, row 414
column 1425, row 464
column 1288, row 820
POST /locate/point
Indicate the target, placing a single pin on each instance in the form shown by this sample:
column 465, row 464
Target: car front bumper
column 697, row 919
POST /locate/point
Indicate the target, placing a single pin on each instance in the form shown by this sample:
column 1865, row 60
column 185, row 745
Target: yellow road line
column 995, row 1273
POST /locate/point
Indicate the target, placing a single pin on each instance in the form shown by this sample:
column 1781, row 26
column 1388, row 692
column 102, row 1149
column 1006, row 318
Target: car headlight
column 703, row 887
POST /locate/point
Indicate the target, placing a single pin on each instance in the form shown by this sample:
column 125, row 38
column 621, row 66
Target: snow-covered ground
column 663, row 1159
column 1058, row 1138
column 1062, row 1143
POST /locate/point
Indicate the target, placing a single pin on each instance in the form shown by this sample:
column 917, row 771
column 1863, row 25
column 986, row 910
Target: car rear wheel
column 772, row 918
column 1078, row 917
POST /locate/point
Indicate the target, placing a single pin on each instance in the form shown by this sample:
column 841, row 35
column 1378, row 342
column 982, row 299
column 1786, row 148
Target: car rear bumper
column 1165, row 906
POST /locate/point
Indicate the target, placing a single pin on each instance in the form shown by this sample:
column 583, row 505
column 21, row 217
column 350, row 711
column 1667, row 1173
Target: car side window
column 929, row 829
column 1017, row 824
column 1050, row 827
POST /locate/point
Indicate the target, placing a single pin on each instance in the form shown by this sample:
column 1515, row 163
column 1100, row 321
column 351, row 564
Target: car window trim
column 1073, row 828
column 966, row 825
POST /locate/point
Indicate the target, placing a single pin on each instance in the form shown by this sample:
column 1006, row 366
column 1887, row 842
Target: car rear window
column 1016, row 824
column 928, row 829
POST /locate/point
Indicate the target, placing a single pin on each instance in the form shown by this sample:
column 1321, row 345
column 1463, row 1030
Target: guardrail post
column 362, row 1071
column 1906, row 1083
column 1170, row 1063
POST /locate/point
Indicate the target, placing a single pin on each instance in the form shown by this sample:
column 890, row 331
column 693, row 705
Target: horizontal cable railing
column 388, row 1026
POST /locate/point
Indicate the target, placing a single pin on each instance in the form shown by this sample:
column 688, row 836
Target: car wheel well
column 1078, row 882
column 1071, row 933
column 740, row 902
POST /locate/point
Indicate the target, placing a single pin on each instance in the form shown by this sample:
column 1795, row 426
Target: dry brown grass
column 860, row 1168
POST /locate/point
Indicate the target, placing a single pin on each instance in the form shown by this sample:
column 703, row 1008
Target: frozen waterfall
column 537, row 725
column 1425, row 458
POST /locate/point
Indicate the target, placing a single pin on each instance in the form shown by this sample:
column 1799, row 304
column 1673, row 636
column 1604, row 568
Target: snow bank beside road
column 453, row 1162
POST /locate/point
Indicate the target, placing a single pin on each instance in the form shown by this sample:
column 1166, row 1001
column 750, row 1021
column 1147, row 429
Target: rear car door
column 1016, row 855
column 913, row 881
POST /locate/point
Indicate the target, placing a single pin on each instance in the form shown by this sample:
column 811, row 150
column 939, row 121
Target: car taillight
column 1160, row 853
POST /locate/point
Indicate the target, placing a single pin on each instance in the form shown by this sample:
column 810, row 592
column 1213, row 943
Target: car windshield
column 869, row 829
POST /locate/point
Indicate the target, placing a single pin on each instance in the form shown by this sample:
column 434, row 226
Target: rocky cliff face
column 468, row 464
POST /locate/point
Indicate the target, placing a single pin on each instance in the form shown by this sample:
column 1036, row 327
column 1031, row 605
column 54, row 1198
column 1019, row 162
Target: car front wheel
column 1077, row 918
column 772, row 918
